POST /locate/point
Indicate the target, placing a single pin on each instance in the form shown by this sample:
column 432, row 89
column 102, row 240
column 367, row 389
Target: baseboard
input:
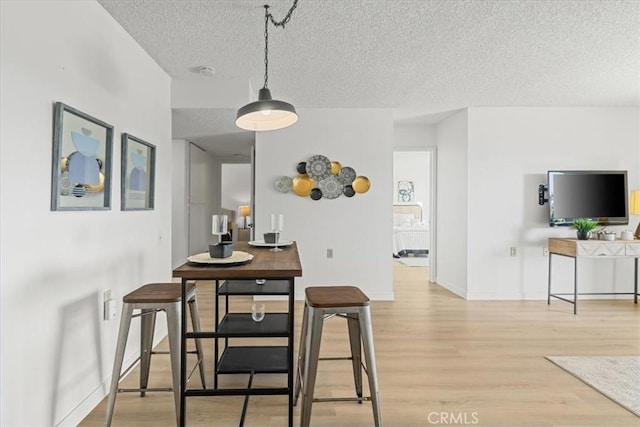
column 89, row 403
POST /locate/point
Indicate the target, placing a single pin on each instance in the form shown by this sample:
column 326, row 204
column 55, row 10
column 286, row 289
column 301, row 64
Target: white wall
column 414, row 136
column 451, row 203
column 510, row 151
column 357, row 229
column 57, row 352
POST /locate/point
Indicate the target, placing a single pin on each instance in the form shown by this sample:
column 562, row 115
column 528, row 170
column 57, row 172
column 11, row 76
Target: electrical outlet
column 545, row 251
column 514, row 251
column 329, row 253
column 109, row 306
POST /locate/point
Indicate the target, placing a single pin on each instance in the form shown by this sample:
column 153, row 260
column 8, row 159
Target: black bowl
column 221, row 250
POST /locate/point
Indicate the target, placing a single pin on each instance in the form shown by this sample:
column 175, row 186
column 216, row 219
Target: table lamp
column 244, row 212
column 634, row 209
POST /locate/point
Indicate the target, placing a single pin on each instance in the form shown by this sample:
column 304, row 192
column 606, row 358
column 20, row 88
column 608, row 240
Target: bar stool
column 150, row 299
column 321, row 303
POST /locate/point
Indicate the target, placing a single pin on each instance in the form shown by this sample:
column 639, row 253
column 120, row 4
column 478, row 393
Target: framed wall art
column 81, row 170
column 405, row 191
column 138, row 174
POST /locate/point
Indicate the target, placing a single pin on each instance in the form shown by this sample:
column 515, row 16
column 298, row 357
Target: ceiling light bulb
column 266, row 112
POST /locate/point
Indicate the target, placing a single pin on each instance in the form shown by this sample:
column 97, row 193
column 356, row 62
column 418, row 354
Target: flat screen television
column 598, row 195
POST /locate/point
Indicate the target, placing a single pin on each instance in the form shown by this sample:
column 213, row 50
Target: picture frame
column 138, row 174
column 406, row 191
column 81, row 161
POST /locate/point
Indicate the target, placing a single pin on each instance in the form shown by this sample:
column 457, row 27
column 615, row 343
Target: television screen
column 598, row 195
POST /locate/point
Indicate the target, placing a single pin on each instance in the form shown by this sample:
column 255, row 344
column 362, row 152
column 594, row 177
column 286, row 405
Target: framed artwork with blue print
column 81, row 169
column 138, row 174
column 405, row 191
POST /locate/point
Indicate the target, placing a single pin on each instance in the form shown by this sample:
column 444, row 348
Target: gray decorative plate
column 318, row 167
column 346, row 175
column 284, row 184
column 331, row 187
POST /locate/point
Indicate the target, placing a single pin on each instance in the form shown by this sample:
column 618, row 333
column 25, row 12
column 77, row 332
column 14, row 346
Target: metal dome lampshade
column 267, row 113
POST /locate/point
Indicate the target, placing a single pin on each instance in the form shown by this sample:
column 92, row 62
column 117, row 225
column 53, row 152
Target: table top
column 265, row 264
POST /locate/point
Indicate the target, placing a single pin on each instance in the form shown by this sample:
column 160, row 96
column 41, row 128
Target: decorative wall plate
column 318, row 167
column 331, row 187
column 284, row 184
column 346, row 175
column 302, row 185
column 237, row 257
column 316, row 194
column 348, row 191
column 335, row 167
column 361, row 184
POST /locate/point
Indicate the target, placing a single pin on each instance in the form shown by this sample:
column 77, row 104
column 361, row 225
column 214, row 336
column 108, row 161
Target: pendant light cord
column 269, row 17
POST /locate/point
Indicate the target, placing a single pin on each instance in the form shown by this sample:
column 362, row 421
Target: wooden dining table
column 280, row 270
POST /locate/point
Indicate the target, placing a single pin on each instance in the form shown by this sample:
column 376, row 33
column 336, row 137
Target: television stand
column 574, row 248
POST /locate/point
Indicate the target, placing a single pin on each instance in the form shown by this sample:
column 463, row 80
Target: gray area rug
column 618, row 378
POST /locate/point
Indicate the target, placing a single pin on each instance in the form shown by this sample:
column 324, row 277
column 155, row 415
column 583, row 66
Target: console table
column 575, row 249
column 279, row 269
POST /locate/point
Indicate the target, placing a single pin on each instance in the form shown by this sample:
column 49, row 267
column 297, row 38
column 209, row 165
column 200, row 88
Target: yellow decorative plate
column 302, row 185
column 237, row 257
column 361, row 184
column 335, row 167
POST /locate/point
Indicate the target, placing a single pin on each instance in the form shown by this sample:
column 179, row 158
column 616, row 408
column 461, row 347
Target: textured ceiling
column 419, row 58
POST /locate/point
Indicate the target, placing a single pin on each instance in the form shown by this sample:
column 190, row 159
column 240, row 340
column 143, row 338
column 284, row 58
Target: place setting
column 221, row 253
column 272, row 239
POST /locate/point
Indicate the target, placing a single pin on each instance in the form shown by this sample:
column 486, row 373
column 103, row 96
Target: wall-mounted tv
column 598, row 195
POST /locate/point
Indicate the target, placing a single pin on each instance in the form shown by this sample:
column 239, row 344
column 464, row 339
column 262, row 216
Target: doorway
column 414, row 183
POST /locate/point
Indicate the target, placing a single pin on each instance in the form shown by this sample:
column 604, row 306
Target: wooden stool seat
column 160, row 293
column 335, row 296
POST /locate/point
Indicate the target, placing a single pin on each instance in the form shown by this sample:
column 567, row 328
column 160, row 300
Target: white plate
column 271, row 245
column 237, row 257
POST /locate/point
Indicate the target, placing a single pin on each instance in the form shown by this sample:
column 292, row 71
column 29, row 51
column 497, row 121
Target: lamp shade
column 266, row 113
column 244, row 211
column 634, row 206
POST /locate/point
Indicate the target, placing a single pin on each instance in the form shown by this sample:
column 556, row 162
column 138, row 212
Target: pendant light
column 267, row 113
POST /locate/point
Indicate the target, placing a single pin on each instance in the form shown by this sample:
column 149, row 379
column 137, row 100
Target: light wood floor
column 441, row 361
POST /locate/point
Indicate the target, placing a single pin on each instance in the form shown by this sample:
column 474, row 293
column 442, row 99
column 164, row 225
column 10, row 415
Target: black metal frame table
column 280, row 270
